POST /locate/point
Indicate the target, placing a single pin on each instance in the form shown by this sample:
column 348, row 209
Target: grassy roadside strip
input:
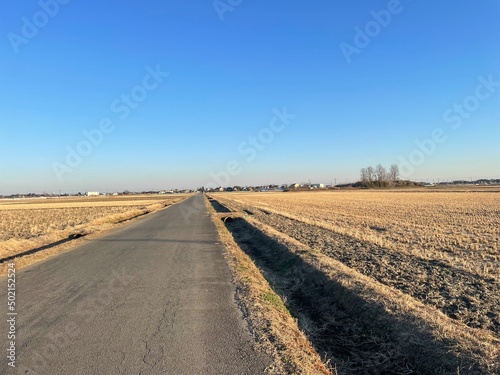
column 411, row 320
column 276, row 331
column 74, row 236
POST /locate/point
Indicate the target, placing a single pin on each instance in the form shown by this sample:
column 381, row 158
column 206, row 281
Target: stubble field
column 27, row 224
column 438, row 249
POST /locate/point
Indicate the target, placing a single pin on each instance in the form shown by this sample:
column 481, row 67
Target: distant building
column 318, row 186
column 92, row 193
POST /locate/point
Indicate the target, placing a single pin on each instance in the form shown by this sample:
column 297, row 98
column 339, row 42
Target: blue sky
column 230, row 70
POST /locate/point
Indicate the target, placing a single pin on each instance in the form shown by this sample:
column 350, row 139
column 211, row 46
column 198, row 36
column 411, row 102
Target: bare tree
column 380, row 173
column 394, row 172
column 364, row 175
column 370, row 173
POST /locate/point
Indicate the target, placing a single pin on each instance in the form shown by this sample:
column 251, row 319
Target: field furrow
column 462, row 294
column 467, row 297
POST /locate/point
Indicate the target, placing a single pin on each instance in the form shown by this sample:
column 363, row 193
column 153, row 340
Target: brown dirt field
column 38, row 224
column 357, row 324
column 276, row 332
column 461, row 228
column 446, row 281
column 468, row 297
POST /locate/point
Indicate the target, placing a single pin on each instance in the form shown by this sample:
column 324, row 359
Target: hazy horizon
column 171, row 95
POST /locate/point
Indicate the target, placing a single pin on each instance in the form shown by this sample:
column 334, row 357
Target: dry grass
column 334, row 296
column 30, row 224
column 428, row 259
column 276, row 331
column 460, row 228
column 418, row 332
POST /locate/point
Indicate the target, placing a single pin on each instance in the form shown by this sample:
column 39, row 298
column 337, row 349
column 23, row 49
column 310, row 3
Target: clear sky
column 257, row 92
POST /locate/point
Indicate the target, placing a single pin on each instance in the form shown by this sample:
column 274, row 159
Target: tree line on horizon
column 379, row 176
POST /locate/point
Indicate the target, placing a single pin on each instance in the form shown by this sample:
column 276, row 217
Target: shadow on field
column 71, row 237
column 218, row 207
column 357, row 336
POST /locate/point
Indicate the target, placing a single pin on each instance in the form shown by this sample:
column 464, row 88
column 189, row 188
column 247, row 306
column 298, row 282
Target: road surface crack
column 119, row 367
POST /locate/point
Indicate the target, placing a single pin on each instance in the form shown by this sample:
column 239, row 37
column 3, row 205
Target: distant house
column 318, row 186
column 294, row 186
column 92, row 193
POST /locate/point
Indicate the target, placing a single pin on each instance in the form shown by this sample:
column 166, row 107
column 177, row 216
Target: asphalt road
column 154, row 297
